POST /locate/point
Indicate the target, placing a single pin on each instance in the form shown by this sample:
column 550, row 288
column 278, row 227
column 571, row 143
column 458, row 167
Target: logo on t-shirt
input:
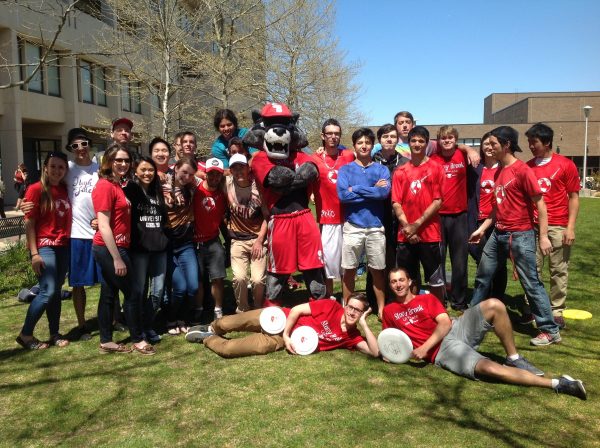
column 545, row 184
column 62, row 207
column 332, row 176
column 487, row 186
column 501, row 191
column 416, row 185
column 209, row 204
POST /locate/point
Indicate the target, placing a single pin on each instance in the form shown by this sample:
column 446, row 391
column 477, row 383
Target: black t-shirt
column 148, row 220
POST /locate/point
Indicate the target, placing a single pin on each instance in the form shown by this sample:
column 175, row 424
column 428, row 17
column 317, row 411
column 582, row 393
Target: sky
column 440, row 59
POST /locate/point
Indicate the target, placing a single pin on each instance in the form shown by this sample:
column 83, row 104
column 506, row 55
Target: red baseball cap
column 122, row 120
column 275, row 110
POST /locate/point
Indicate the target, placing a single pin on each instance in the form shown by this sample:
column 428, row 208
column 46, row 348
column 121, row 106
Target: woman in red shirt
column 111, row 251
column 48, row 226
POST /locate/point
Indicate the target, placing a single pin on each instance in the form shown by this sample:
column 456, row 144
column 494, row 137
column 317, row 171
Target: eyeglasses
column 354, row 309
column 127, row 161
column 83, row 144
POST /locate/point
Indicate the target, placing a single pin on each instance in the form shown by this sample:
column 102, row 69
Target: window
column 85, row 79
column 53, row 71
column 30, row 56
column 92, row 83
column 131, row 98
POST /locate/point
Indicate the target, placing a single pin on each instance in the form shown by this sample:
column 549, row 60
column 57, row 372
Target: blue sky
column 440, row 59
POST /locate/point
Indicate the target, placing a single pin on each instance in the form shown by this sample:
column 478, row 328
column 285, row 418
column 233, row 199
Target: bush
column 16, row 271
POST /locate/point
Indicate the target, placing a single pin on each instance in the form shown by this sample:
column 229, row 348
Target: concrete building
column 562, row 111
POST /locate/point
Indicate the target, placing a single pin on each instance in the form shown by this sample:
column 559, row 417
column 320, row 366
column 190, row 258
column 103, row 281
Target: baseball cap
column 214, row 164
column 508, row 134
column 122, row 120
column 77, row 133
column 275, row 110
column 238, row 158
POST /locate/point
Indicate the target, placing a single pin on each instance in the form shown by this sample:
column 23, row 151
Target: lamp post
column 586, row 111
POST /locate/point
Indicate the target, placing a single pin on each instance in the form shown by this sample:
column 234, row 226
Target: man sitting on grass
column 336, row 326
column 451, row 344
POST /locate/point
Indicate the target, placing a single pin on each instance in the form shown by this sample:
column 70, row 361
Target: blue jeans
column 56, row 261
column 148, row 267
column 184, row 279
column 522, row 246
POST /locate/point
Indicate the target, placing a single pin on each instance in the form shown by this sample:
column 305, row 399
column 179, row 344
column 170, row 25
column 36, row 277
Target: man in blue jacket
column 363, row 187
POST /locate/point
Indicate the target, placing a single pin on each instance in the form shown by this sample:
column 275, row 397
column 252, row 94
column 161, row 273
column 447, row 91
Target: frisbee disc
column 305, row 340
column 272, row 320
column 577, row 314
column 395, row 345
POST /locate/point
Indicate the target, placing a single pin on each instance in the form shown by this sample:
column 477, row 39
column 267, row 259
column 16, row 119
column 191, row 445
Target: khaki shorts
column 358, row 241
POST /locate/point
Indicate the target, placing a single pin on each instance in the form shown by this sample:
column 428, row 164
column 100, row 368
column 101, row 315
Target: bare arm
column 257, row 247
column 111, row 245
column 37, row 264
column 370, row 347
column 444, row 324
column 299, row 310
column 545, row 245
column 478, row 234
column 569, row 233
column 472, row 154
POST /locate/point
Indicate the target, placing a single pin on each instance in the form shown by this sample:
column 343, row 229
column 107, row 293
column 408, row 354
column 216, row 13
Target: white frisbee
column 272, row 320
column 395, row 345
column 305, row 340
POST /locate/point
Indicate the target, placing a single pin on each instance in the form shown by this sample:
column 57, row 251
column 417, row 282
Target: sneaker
column 570, row 386
column 560, row 321
column 523, row 364
column 197, row 336
column 25, row 296
column 152, row 337
column 218, row 313
column 546, row 339
column 202, row 328
column 83, row 334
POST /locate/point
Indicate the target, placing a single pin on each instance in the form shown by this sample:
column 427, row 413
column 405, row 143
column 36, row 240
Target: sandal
column 58, row 340
column 145, row 349
column 119, row 348
column 173, row 329
column 32, row 344
column 182, row 327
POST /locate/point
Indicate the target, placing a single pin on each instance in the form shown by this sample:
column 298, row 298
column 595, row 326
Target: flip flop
column 146, row 349
column 58, row 340
column 33, row 344
column 120, row 348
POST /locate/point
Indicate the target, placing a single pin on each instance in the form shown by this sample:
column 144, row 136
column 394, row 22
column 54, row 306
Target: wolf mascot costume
column 284, row 175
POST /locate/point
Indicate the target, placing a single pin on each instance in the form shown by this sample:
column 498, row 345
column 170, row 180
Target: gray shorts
column 211, row 257
column 457, row 353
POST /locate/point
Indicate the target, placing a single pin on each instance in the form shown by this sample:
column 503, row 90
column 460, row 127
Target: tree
column 51, row 19
column 306, row 69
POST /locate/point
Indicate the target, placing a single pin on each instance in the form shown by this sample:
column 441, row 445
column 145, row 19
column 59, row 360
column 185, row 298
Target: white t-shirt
column 81, row 180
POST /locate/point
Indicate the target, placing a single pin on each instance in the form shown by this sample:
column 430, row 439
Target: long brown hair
column 46, row 200
column 106, row 169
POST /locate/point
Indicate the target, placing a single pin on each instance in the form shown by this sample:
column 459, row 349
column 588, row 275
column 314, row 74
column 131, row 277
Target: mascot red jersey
column 284, row 175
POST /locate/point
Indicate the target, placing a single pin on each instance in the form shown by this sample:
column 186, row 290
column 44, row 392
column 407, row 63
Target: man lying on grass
column 336, row 326
column 451, row 344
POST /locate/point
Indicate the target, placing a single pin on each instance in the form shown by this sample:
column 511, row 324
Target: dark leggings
column 109, row 292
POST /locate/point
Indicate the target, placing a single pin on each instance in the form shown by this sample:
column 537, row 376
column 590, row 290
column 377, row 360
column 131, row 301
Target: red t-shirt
column 486, row 191
column 556, row 179
column 110, row 197
column 415, row 318
column 209, row 209
column 329, row 207
column 515, row 186
column 326, row 319
column 415, row 188
column 261, row 165
column 52, row 228
column 454, row 190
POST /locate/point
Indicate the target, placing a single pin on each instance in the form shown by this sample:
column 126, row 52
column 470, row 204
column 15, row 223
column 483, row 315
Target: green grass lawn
column 186, row 395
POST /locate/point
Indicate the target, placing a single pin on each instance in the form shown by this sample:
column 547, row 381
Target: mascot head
column 275, row 131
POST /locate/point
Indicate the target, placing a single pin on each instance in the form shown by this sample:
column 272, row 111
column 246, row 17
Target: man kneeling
column 451, row 344
column 336, row 326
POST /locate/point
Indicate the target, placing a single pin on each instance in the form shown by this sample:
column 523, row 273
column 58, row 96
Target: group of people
column 149, row 227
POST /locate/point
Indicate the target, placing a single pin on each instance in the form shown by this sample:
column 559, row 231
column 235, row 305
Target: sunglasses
column 83, row 144
column 122, row 161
